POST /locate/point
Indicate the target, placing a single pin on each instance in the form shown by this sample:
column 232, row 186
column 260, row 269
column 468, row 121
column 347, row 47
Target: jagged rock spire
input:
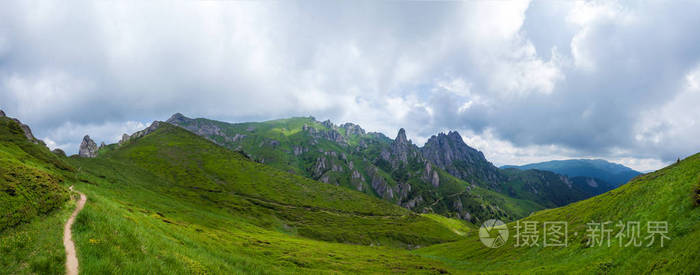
column 401, row 137
column 88, row 148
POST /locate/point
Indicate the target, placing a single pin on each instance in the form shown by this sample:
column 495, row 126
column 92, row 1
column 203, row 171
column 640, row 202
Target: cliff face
column 450, row 153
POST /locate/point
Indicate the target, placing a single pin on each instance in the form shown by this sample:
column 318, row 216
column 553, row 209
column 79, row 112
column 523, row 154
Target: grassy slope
column 33, row 204
column 173, row 202
column 29, row 177
column 665, row 195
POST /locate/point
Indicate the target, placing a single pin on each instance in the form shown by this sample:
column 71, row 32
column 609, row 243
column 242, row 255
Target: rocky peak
column 328, row 124
column 2, row 114
column 401, row 137
column 449, row 152
column 454, row 135
column 352, row 129
column 178, row 119
column 401, row 150
column 88, row 148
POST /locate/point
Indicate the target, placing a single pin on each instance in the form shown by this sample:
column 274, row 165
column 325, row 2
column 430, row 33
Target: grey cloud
column 108, row 63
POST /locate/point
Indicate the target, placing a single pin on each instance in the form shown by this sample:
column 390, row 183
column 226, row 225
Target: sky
column 521, row 81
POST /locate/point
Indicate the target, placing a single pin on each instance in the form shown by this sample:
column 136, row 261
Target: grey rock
column 27, row 132
column 330, row 133
column 401, row 137
column 178, row 119
column 154, row 126
column 88, row 148
column 320, row 167
column 237, row 137
column 125, row 139
column 380, row 186
column 412, row 203
column 2, row 114
column 450, row 153
column 328, row 124
column 436, row 179
column 352, row 129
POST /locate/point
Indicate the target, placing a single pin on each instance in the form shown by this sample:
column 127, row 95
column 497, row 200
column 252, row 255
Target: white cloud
column 110, row 132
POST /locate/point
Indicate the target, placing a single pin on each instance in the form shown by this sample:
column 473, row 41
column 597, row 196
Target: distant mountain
column 612, row 173
column 450, row 153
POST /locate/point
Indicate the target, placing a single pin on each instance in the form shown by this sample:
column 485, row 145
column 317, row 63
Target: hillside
column 612, row 173
column 445, row 176
column 393, row 170
column 668, row 195
column 200, row 207
column 169, row 201
column 33, row 201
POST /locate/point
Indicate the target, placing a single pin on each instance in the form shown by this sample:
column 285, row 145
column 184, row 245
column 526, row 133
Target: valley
column 172, row 199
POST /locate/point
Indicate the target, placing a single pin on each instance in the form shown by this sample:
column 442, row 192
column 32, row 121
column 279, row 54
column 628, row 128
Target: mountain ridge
column 417, row 178
column 614, row 173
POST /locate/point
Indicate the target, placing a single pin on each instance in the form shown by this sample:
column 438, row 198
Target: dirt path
column 71, row 258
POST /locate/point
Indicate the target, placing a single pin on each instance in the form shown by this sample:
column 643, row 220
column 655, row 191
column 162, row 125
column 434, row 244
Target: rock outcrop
column 88, row 148
column 205, row 129
column 352, row 129
column 329, row 133
column 27, row 131
column 124, row 140
column 178, row 119
column 450, row 153
column 154, row 126
column 402, row 150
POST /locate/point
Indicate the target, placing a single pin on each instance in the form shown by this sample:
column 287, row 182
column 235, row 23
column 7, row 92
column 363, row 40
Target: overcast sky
column 521, row 81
